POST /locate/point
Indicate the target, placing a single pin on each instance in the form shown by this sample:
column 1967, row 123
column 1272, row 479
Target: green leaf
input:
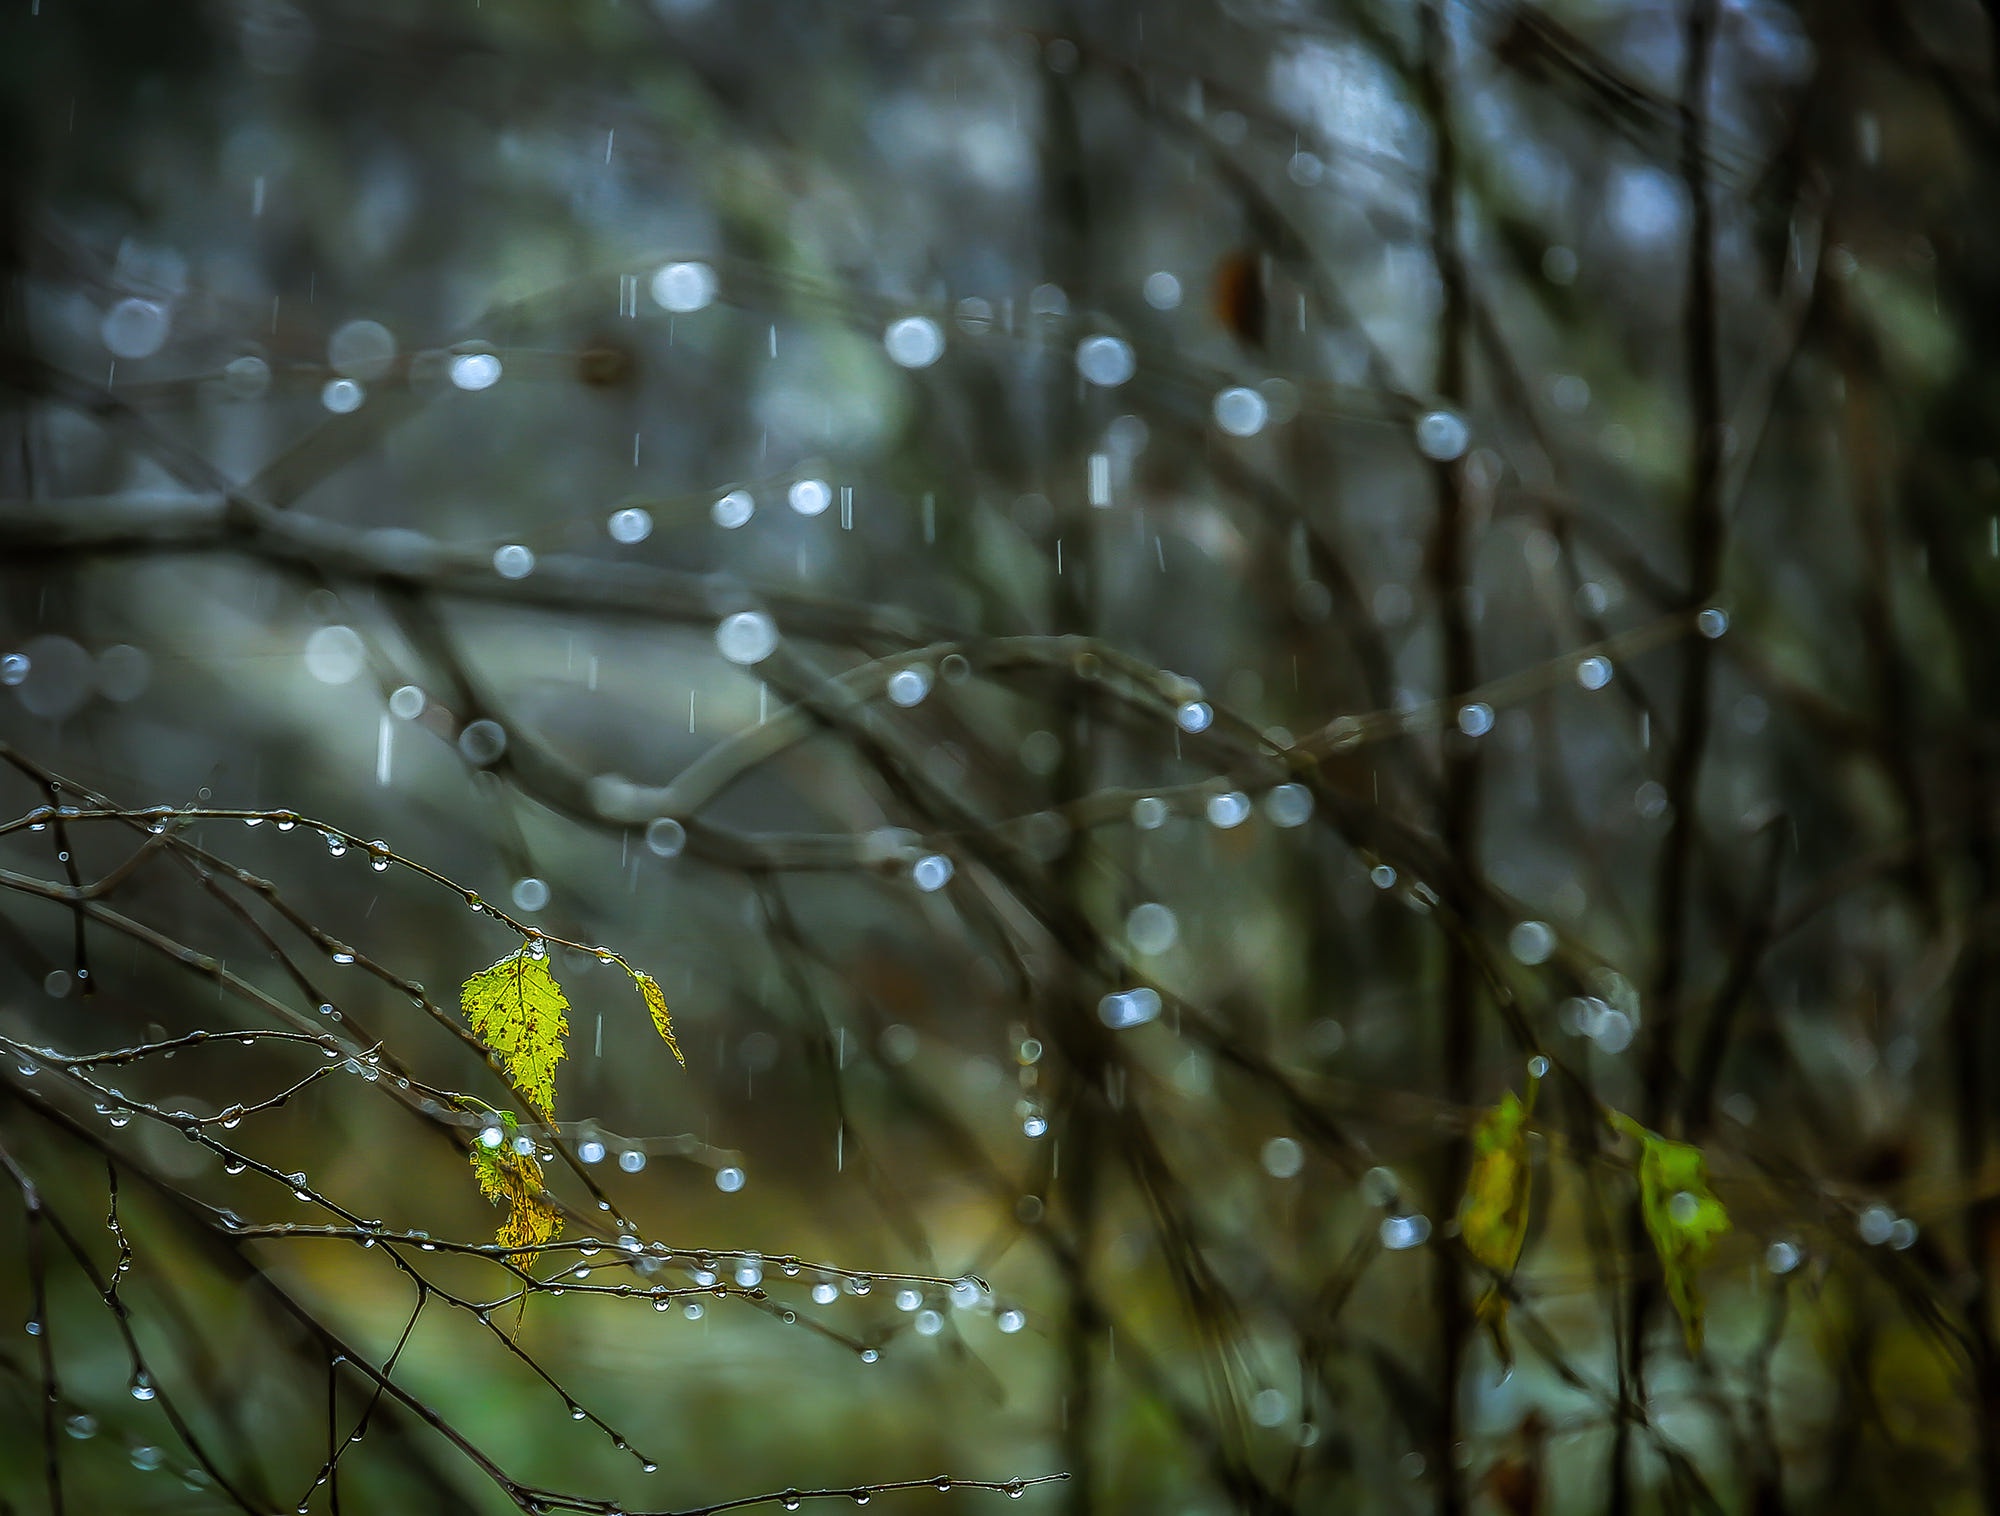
column 517, row 1009
column 515, row 1180
column 1493, row 1216
column 656, row 1003
column 1682, row 1216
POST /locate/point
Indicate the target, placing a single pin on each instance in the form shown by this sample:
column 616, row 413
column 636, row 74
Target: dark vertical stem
column 1459, row 798
column 1689, row 740
column 1066, row 228
column 45, row 1351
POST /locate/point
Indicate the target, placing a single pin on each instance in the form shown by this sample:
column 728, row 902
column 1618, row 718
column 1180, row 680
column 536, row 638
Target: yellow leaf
column 656, row 1002
column 1682, row 1217
column 514, row 1179
column 517, row 1009
column 1493, row 1216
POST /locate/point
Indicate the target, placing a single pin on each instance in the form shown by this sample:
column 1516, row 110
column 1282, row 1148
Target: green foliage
column 1682, row 1216
column 656, row 1004
column 518, row 1010
column 1493, row 1216
column 514, row 1179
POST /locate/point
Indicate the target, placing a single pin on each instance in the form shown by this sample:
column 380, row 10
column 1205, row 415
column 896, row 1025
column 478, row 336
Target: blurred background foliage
column 1134, row 608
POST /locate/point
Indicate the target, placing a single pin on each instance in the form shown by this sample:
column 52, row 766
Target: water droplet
column 1713, row 622
column 665, row 836
column 1289, row 805
column 1283, row 1158
column 142, row 1386
column 1609, row 1028
column 335, row 654
column 825, row 1292
column 246, row 378
column 809, row 497
column 475, row 371
column 748, row 637
column 928, row 1323
column 482, row 742
column 1531, row 942
column 590, row 1151
column 530, row 894
column 914, row 342
column 1010, row 1321
column 907, row 687
column 1476, row 719
column 631, row 1160
column 1538, row 1067
column 513, row 561
column 1194, row 716
column 1270, row 1408
column 1162, row 290
column 1442, row 436
column 361, row 350
column 1105, row 361
column 148, row 1458
column 135, row 328
column 1593, row 673
column 336, row 845
column 931, row 872
column 14, row 667
column 342, row 396
column 908, row 1299
column 81, row 1427
column 630, row 525
column 123, row 672
column 790, row 1500
column 1875, row 1223
column 1149, row 813
column 1129, row 1008
column 1903, row 1234
column 684, row 287
column 407, row 703
column 1241, row 412
column 1035, row 1125
column 729, row 1180
column 1401, row 1232
column 733, row 509
column 1151, row 928
column 1782, row 1257
column 1229, row 809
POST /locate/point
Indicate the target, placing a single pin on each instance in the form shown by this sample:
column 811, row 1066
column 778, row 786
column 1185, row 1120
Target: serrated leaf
column 1493, row 1216
column 517, row 1009
column 514, row 1179
column 1682, row 1217
column 656, row 1003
